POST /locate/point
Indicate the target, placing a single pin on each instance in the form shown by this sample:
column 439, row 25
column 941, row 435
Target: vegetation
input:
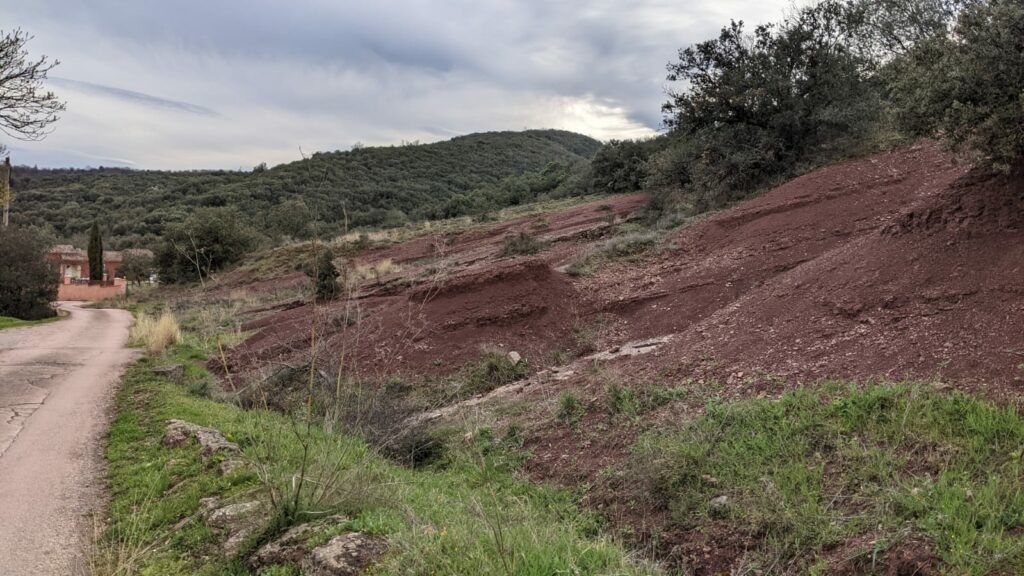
column 522, row 244
column 95, row 253
column 28, row 283
column 136, row 267
column 469, row 516
column 966, row 86
column 26, row 110
column 8, row 322
column 326, row 194
column 156, row 334
column 325, row 276
column 207, row 241
column 892, row 463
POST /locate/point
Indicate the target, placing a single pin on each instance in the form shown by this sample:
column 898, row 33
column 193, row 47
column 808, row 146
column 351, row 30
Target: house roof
column 68, row 253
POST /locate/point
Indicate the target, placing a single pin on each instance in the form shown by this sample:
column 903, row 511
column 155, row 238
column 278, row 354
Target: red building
column 73, row 265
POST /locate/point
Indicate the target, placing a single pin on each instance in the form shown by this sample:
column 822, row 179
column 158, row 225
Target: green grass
column 8, row 322
column 471, row 516
column 816, row 468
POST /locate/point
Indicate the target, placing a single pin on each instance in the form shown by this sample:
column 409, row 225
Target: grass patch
column 8, row 322
column 817, row 468
column 471, row 517
column 155, row 334
column 522, row 244
column 631, row 246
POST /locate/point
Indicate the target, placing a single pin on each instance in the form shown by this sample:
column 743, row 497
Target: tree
column 95, row 252
column 137, row 267
column 325, row 276
column 28, row 283
column 207, row 241
column 967, row 86
column 760, row 106
column 26, row 110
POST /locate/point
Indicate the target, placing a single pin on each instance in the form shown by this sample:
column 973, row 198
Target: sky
column 196, row 84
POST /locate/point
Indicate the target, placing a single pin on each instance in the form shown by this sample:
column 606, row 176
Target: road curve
column 56, row 385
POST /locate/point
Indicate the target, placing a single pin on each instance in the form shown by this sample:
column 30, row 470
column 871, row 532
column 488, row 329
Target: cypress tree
column 95, row 253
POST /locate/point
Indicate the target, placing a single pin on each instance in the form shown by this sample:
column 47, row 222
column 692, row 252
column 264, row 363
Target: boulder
column 210, row 440
column 514, row 358
column 237, row 522
column 345, row 555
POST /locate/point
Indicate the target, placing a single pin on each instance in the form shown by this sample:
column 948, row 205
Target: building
column 73, row 265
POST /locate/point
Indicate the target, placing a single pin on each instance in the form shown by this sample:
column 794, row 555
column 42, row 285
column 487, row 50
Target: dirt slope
column 902, row 265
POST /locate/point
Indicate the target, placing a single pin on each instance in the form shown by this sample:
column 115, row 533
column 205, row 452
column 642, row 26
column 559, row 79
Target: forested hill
column 371, row 186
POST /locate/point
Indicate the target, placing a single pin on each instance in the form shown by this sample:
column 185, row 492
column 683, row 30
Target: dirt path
column 56, row 383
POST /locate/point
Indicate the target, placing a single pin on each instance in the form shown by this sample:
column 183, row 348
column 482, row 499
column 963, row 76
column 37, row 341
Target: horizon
column 227, row 86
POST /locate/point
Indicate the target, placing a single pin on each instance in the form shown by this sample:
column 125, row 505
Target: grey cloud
column 132, row 96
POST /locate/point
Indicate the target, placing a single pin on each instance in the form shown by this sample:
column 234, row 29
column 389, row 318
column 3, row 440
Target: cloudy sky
column 232, row 83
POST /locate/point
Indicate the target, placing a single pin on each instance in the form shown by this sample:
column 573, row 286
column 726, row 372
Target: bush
column 325, row 276
column 522, row 244
column 207, row 241
column 28, row 283
column 492, row 371
column 967, row 86
column 156, row 334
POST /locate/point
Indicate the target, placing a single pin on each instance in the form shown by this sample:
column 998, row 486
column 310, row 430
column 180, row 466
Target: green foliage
column 817, row 468
column 28, row 283
column 8, row 322
column 493, row 370
column 95, row 252
column 206, row 241
column 570, row 410
column 522, row 244
column 325, row 278
column 365, row 187
column 967, row 86
column 472, row 517
column 759, row 106
column 137, row 267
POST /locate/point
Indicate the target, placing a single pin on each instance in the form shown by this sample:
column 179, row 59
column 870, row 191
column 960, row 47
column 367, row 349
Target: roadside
column 56, row 384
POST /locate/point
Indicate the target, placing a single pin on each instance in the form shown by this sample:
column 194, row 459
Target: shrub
column 325, row 276
column 28, row 283
column 493, row 370
column 156, row 334
column 209, row 240
column 570, row 410
column 967, row 86
column 522, row 244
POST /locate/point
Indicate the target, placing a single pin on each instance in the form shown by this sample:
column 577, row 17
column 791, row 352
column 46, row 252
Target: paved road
column 56, row 384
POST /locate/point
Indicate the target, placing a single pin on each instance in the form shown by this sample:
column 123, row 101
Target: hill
column 370, row 186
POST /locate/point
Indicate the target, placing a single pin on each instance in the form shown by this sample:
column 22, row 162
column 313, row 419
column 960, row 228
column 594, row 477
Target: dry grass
column 377, row 270
column 156, row 334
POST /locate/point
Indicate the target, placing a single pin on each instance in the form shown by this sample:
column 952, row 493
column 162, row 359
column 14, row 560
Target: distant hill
column 370, row 186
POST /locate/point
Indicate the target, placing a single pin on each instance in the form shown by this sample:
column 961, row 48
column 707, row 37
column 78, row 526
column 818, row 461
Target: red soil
column 902, row 265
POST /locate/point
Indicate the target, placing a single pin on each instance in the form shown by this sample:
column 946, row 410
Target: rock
column 290, row 548
column 515, row 358
column 238, row 522
column 173, row 371
column 210, row 439
column 345, row 555
column 229, row 466
column 719, row 507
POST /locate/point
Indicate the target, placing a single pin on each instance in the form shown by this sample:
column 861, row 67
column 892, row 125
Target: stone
column 210, row 440
column 290, row 548
column 172, row 371
column 515, row 358
column 229, row 466
column 345, row 555
column 238, row 522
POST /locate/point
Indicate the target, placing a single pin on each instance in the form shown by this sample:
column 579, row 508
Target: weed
column 622, row 400
column 570, row 410
column 817, row 468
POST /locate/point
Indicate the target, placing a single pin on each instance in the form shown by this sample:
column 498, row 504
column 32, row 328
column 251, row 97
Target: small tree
column 95, row 253
column 325, row 276
column 26, row 110
column 207, row 241
column 137, row 267
column 28, row 283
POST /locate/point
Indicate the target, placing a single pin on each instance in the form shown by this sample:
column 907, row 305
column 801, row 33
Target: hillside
column 900, row 267
column 372, row 186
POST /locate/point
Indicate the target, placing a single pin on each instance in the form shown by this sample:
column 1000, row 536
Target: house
column 73, row 265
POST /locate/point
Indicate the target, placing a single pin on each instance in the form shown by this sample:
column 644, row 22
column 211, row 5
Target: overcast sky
column 232, row 83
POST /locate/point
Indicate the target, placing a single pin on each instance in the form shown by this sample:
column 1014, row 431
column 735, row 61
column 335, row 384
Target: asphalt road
column 56, row 385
